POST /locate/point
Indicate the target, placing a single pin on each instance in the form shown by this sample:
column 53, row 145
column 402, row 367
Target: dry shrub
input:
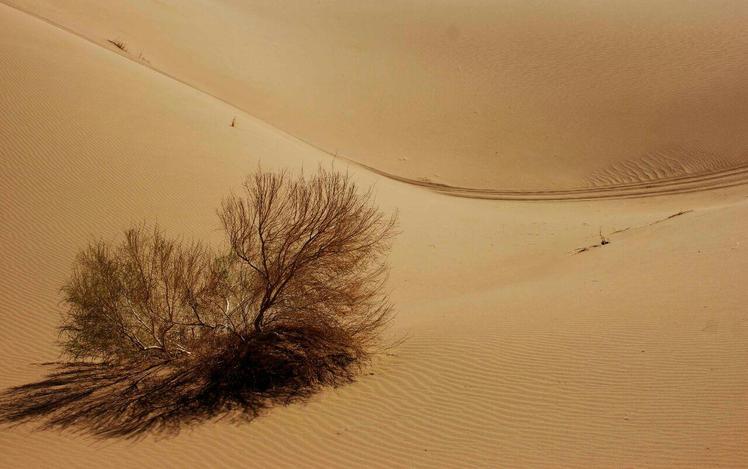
column 175, row 331
column 136, row 298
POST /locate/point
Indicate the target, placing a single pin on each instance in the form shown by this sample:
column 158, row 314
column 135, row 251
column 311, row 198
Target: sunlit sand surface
column 510, row 136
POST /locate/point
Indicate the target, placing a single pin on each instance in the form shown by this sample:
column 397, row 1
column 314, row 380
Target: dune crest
column 501, row 95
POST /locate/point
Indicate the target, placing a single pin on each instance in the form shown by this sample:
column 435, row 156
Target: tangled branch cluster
column 300, row 252
column 293, row 299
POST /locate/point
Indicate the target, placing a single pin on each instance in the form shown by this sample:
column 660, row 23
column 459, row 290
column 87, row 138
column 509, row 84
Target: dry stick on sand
column 118, row 44
column 604, row 240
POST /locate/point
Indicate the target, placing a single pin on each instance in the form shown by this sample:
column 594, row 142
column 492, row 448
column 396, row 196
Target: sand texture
column 509, row 135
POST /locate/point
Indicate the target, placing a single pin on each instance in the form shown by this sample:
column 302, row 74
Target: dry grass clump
column 163, row 331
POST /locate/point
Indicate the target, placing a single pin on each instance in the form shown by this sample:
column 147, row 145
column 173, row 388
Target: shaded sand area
column 503, row 95
column 519, row 351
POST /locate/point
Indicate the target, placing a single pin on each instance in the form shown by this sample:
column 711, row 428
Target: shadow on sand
column 129, row 400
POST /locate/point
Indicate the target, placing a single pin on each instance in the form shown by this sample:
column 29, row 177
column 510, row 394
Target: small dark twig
column 118, row 44
column 603, row 239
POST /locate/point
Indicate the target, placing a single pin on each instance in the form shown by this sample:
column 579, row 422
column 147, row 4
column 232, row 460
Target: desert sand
column 509, row 136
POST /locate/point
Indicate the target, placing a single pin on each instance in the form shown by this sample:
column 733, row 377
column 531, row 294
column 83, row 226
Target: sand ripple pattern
column 642, row 183
column 659, row 166
column 568, row 371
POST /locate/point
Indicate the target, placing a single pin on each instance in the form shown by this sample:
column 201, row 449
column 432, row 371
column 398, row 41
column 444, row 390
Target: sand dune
column 519, row 352
column 505, row 95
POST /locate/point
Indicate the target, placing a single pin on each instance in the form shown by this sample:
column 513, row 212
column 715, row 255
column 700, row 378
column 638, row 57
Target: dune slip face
column 518, row 352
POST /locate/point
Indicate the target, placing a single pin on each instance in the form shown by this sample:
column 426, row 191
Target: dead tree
column 302, row 255
column 314, row 245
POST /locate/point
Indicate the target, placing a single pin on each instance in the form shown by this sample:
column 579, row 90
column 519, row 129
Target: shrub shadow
column 130, row 399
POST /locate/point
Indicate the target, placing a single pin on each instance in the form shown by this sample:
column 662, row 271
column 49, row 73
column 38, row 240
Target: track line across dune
column 729, row 177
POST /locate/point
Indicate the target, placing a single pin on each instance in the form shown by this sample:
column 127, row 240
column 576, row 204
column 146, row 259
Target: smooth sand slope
column 520, row 353
column 501, row 95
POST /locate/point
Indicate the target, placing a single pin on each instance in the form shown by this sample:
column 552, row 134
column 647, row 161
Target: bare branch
column 301, row 252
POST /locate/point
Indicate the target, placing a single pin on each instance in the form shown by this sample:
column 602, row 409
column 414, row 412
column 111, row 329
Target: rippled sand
column 524, row 349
